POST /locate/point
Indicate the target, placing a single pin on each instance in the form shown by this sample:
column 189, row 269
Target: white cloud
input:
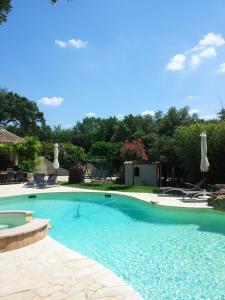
column 212, row 39
column 194, row 61
column 120, row 116
column 192, row 58
column 64, row 126
column 208, row 52
column 221, row 68
column 192, row 97
column 61, row 44
column 54, row 101
column 194, row 111
column 209, row 117
column 90, row 115
column 148, row 113
column 176, row 63
column 76, row 43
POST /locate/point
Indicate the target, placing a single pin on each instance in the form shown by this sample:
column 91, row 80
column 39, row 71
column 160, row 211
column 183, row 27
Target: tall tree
column 221, row 114
column 19, row 112
column 6, row 7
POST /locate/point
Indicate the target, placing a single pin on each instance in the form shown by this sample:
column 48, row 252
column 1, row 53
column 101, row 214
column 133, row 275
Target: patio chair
column 190, row 189
column 51, row 181
column 100, row 175
column 20, row 177
column 38, row 178
column 189, row 195
column 194, row 187
column 104, row 175
column 95, row 175
column 200, row 196
column 11, row 177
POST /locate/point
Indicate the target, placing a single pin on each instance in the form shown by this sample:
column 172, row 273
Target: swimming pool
column 164, row 253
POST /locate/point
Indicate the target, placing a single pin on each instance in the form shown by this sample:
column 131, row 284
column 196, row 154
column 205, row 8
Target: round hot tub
column 18, row 229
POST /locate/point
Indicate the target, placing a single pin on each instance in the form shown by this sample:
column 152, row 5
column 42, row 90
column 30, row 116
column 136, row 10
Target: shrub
column 133, row 151
column 5, row 148
column 120, row 180
column 76, row 173
column 219, row 202
column 68, row 154
column 28, row 151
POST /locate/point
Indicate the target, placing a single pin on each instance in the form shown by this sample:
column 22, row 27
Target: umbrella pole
column 204, row 184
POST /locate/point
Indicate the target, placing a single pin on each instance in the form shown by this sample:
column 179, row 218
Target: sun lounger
column 190, row 190
column 200, row 196
column 38, row 178
column 99, row 175
column 188, row 186
column 188, row 195
column 51, row 181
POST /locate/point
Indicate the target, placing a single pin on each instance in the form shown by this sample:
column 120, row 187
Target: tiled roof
column 7, row 137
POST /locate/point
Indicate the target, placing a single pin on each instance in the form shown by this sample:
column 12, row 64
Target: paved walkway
column 48, row 270
column 19, row 189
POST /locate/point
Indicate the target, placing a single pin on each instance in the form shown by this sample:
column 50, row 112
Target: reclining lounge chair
column 51, row 181
column 38, row 178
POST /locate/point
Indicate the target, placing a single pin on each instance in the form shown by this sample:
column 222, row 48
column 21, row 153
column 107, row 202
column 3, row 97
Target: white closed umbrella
column 56, row 155
column 204, row 166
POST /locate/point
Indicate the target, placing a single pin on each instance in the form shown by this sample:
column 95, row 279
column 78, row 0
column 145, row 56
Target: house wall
column 8, row 160
column 128, row 174
column 148, row 174
column 13, row 158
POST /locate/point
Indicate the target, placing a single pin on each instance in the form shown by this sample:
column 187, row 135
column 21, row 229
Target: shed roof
column 7, row 137
column 141, row 162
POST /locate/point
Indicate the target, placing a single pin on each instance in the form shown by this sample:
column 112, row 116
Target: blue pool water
column 164, row 253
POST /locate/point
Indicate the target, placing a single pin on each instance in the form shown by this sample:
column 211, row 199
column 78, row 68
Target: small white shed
column 142, row 173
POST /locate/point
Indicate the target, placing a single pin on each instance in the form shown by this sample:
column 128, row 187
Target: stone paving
column 48, row 270
column 19, row 189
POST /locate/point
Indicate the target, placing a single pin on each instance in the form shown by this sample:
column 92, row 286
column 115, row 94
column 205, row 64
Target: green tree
column 106, row 155
column 59, row 134
column 221, row 114
column 85, row 132
column 28, row 151
column 6, row 7
column 20, row 113
column 68, row 153
column 174, row 118
column 187, row 142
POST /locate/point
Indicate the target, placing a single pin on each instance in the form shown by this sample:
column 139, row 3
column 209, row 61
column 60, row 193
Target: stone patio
column 19, row 189
column 48, row 270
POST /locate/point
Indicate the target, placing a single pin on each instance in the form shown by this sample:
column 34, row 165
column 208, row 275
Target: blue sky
column 115, row 57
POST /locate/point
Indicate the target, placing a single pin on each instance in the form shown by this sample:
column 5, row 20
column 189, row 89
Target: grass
column 101, row 186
